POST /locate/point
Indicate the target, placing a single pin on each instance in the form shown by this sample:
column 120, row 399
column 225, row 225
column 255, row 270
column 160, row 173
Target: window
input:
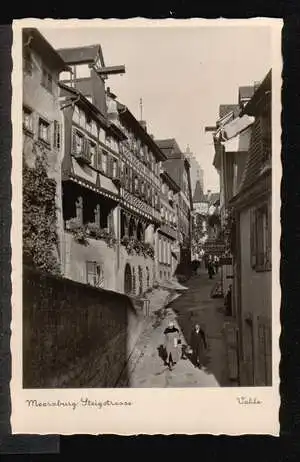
column 56, row 135
column 104, row 161
column 77, row 142
column 94, row 274
column 27, row 119
column 108, row 140
column 88, row 123
column 136, row 184
column 47, row 80
column 93, row 152
column 101, row 135
column 94, row 128
column 260, row 238
column 44, row 130
column 114, row 169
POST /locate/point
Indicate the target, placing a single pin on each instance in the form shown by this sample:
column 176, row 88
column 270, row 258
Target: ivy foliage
column 40, row 239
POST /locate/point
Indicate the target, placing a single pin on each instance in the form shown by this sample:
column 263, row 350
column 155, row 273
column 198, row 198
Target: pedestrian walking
column 172, row 342
column 216, row 264
column 228, row 301
column 210, row 267
column 198, row 346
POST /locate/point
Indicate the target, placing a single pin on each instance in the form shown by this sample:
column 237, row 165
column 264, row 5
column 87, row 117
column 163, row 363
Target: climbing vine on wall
column 40, row 239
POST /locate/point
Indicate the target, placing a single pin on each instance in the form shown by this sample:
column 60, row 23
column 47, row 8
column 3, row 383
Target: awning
column 235, row 127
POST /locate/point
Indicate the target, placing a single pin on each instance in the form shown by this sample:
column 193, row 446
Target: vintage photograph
column 147, row 207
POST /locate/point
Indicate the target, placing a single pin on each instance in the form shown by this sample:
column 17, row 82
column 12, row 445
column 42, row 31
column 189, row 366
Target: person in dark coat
column 198, row 345
column 228, row 301
column 210, row 267
column 172, row 341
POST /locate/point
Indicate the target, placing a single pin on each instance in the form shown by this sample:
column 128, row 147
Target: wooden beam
column 210, row 129
column 111, row 70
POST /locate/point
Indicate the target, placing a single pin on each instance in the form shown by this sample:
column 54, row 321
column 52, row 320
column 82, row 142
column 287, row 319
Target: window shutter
column 86, row 147
column 253, row 237
column 74, row 144
column 56, row 137
column 110, row 166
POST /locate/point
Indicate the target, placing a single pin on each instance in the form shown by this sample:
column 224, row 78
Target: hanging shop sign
column 226, row 261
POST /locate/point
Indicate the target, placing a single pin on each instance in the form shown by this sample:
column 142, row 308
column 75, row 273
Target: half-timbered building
column 168, row 255
column 140, row 217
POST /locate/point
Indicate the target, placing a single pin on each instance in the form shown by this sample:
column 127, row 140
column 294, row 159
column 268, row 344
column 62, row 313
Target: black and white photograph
column 147, row 164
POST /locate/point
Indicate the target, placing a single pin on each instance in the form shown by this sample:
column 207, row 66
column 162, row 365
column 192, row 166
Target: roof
column 246, row 92
column 81, row 55
column 35, row 40
column 174, row 168
column 198, row 193
column 262, row 90
column 125, row 113
column 227, row 108
column 260, row 101
column 170, row 148
column 169, row 180
column 215, row 197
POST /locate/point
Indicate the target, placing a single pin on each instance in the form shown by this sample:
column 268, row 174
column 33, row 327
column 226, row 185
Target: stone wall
column 74, row 335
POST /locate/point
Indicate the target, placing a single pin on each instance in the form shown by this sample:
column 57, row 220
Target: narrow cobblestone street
column 195, row 305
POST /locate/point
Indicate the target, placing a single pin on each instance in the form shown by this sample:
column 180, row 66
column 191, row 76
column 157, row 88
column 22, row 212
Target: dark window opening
column 47, row 80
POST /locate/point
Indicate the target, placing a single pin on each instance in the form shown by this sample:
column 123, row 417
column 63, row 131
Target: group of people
column 174, row 349
column 212, row 265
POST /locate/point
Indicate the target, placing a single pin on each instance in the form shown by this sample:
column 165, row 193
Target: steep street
column 195, row 305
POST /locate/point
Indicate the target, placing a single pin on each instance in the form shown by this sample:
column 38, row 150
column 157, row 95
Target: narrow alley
column 193, row 306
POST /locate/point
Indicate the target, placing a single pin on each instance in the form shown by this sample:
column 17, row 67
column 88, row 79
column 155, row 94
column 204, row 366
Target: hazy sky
column 182, row 74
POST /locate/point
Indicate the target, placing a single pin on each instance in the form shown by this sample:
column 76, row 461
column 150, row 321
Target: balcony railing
column 140, row 204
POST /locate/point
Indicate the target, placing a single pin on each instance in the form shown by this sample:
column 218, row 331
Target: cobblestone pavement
column 193, row 306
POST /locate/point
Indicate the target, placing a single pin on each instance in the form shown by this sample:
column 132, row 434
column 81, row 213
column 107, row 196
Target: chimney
column 143, row 123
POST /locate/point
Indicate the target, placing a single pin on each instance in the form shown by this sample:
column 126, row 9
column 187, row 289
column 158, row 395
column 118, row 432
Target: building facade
column 243, row 160
column 252, row 252
column 167, row 251
column 178, row 168
column 42, row 142
column 196, row 172
column 111, row 182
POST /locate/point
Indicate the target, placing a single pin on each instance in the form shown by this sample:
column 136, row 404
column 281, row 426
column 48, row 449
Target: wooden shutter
column 253, row 237
column 74, row 144
column 56, row 140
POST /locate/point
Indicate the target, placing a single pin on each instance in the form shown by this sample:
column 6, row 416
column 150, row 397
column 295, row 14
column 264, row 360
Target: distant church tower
column 197, row 173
